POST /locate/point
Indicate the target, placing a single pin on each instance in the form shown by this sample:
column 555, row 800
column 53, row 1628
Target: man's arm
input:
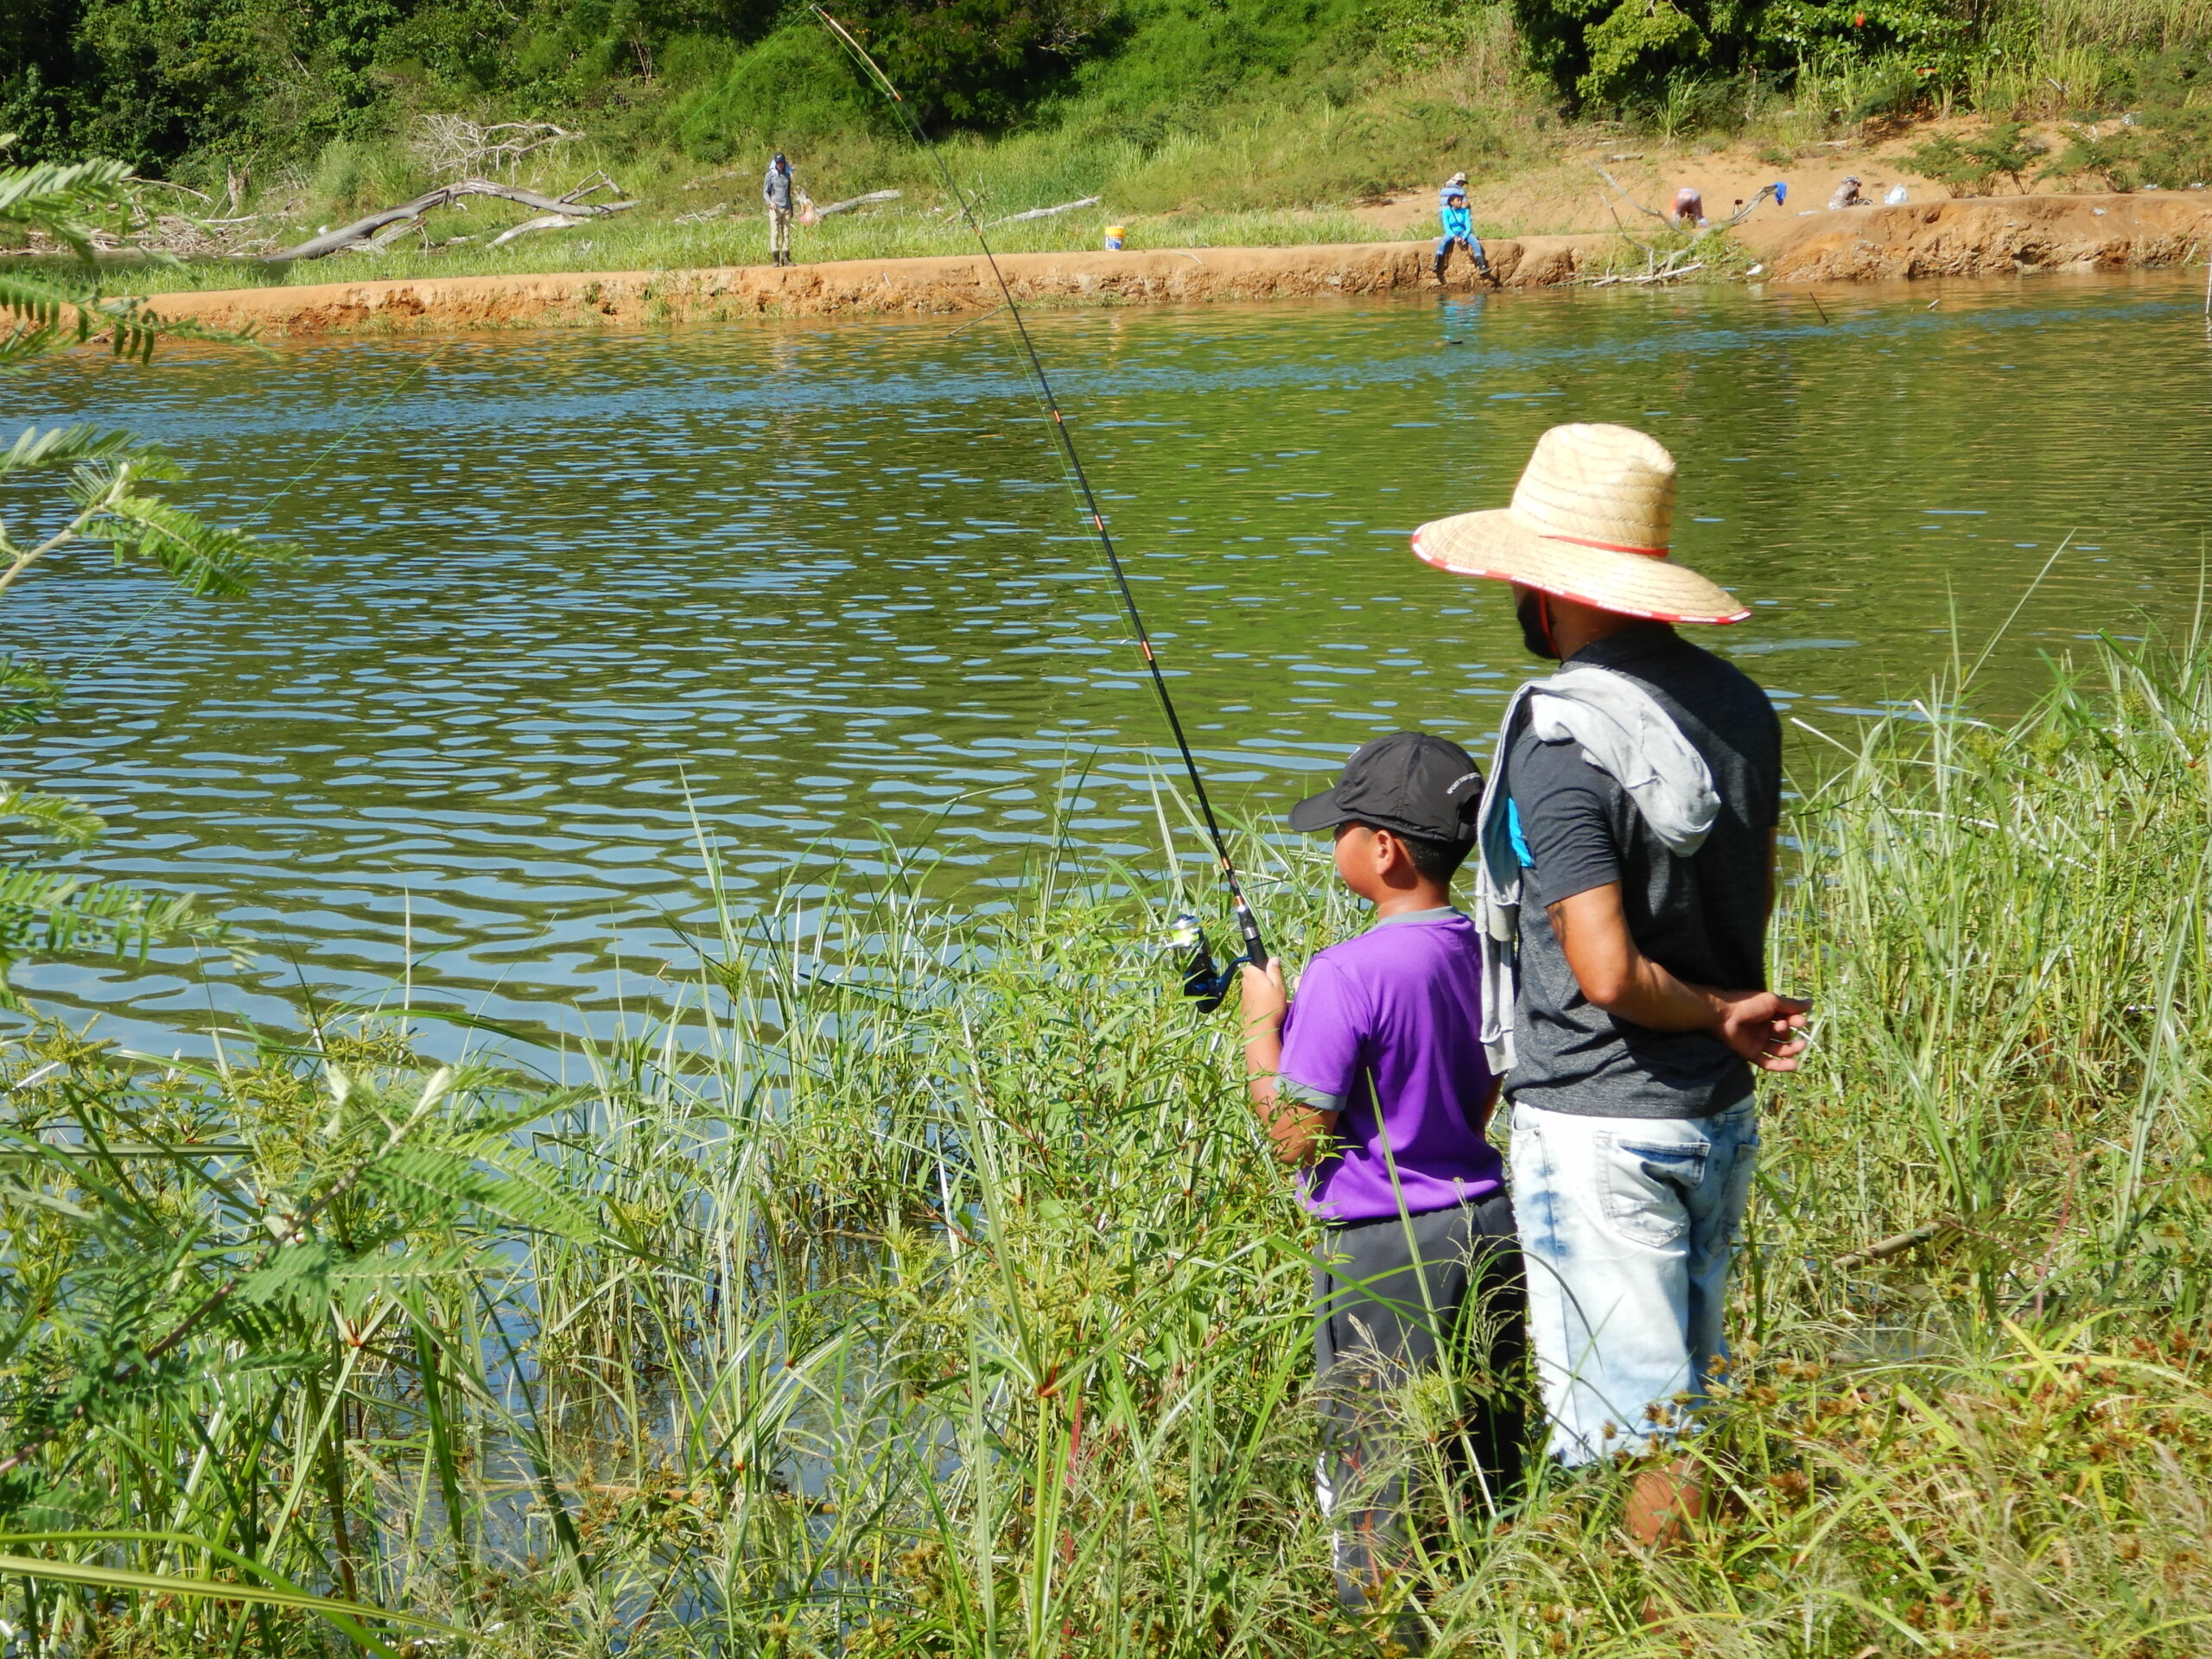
column 1592, row 931
column 1297, row 1131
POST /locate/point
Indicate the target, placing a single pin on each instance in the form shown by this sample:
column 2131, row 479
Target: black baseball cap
column 1409, row 783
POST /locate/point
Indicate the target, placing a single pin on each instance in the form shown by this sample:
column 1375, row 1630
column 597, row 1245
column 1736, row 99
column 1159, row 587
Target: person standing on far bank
column 1625, row 873
column 776, row 190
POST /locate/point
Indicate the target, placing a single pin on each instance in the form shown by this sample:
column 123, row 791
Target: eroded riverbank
column 1976, row 237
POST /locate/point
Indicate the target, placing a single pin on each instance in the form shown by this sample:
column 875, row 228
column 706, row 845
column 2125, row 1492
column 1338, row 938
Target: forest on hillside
column 197, row 89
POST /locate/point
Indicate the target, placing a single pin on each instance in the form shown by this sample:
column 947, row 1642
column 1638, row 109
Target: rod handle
column 1255, row 948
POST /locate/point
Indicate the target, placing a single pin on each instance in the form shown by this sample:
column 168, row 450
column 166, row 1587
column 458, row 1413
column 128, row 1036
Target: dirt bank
column 888, row 287
column 1986, row 236
column 1979, row 237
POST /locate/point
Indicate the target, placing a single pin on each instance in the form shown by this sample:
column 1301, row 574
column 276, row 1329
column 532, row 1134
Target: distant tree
column 974, row 62
column 1625, row 51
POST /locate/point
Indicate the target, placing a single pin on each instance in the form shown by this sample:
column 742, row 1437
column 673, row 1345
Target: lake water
column 822, row 587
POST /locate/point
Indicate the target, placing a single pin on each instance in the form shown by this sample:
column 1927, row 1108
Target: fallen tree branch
column 171, row 184
column 542, row 222
column 1653, row 212
column 452, row 143
column 1666, row 275
column 862, row 201
column 1047, row 212
column 337, row 241
column 1747, row 210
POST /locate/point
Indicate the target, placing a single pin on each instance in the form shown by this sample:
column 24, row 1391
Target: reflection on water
column 823, row 586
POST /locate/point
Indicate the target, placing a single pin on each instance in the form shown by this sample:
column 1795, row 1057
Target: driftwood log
column 1045, row 212
column 362, row 229
column 857, row 201
column 542, row 222
column 1666, row 275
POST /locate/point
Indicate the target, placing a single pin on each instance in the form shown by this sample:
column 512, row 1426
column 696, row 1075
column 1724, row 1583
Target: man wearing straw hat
column 1634, row 798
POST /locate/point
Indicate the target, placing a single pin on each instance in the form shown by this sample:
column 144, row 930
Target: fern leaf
column 47, row 312
column 28, row 693
column 56, row 818
column 68, row 446
column 470, row 1177
column 54, row 912
column 46, row 193
column 203, row 558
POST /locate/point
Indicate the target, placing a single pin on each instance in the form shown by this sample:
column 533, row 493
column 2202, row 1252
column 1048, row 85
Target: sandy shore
column 1979, row 237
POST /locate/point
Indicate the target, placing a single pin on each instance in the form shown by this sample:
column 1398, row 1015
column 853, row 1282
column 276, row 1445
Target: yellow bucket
column 1114, row 233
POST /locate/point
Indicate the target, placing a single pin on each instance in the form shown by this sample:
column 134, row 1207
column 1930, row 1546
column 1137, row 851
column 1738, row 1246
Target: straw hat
column 1589, row 522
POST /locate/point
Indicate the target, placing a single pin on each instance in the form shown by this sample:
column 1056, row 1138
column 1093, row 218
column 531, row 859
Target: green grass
column 740, row 238
column 1260, row 171
column 921, row 1285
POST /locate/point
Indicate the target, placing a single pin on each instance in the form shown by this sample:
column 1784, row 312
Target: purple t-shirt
column 1400, row 1007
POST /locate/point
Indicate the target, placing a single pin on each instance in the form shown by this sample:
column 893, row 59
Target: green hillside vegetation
column 1243, row 119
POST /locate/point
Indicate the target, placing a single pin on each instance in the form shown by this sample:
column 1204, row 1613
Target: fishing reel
column 1204, row 981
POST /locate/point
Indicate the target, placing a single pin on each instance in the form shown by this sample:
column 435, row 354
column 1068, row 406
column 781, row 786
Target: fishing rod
column 1202, row 979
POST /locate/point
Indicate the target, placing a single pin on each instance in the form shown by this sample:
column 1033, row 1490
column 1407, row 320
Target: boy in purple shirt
column 1375, row 1083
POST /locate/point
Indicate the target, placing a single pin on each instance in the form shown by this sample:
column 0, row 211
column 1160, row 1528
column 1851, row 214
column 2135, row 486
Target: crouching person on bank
column 1374, row 1083
column 1624, row 874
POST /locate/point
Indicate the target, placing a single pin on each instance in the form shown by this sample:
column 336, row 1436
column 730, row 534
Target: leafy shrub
column 2007, row 150
column 2011, row 149
column 2114, row 160
column 1421, row 32
column 2177, row 148
column 796, row 88
column 1625, row 53
column 353, row 176
column 1176, row 63
column 975, row 63
column 1952, row 163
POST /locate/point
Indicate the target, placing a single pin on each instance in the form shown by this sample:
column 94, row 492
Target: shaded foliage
column 1625, row 53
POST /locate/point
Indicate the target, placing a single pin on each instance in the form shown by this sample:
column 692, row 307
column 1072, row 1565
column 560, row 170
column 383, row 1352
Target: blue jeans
column 1473, row 244
column 1626, row 1226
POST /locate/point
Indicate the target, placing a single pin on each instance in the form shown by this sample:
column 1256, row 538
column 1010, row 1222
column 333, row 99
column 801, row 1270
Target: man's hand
column 1265, row 999
column 1761, row 1026
column 1617, row 977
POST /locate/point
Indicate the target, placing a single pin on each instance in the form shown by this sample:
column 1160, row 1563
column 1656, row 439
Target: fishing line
column 1200, row 980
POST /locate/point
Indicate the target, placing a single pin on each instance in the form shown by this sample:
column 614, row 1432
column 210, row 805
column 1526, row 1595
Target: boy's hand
column 1264, row 996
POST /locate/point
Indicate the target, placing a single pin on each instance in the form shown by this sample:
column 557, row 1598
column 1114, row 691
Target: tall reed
column 922, row 1286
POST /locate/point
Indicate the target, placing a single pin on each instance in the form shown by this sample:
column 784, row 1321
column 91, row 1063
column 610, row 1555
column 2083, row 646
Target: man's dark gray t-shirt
column 1703, row 918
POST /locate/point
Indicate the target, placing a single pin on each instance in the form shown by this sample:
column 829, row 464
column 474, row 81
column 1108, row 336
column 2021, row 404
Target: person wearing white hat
column 1634, row 801
column 1456, row 220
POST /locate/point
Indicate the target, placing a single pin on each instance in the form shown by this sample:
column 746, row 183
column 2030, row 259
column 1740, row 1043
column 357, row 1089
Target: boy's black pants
column 1393, row 1298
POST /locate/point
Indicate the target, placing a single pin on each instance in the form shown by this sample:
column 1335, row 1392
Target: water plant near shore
column 922, row 1286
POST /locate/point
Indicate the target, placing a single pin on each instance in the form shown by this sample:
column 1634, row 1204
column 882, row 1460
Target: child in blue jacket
column 1458, row 228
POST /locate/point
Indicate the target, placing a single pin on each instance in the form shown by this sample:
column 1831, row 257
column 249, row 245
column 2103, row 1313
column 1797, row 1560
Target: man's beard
column 1529, row 608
